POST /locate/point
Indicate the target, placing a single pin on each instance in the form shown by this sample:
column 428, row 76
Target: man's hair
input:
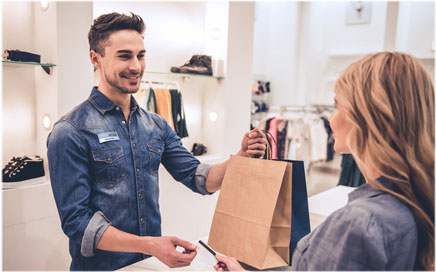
column 106, row 24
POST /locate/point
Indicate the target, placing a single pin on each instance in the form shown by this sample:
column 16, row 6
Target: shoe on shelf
column 23, row 168
column 198, row 64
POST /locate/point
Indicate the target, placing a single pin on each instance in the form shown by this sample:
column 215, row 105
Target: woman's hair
column 389, row 99
column 106, row 24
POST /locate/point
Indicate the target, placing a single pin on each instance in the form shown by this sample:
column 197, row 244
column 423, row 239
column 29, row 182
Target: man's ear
column 95, row 58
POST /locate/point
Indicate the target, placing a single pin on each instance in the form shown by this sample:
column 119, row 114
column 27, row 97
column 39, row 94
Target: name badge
column 108, row 136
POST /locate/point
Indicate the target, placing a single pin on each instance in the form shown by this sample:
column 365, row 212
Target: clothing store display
column 262, row 236
column 146, row 99
column 198, row 149
column 318, row 135
column 163, row 105
column 178, row 113
column 281, row 138
column 167, row 103
column 350, row 172
column 374, row 231
column 198, row 64
column 17, row 55
column 330, row 141
column 151, row 101
column 23, row 168
column 105, row 172
column 273, row 130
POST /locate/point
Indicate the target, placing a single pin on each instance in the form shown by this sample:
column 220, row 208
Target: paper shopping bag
column 252, row 220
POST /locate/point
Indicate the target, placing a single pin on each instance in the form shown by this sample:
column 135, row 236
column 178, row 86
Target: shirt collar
column 103, row 104
column 366, row 190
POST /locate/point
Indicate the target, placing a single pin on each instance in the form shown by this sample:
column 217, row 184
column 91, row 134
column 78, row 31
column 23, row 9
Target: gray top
column 374, row 231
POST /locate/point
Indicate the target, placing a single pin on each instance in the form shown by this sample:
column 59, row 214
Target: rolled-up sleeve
column 71, row 184
column 181, row 164
column 93, row 232
column 201, row 177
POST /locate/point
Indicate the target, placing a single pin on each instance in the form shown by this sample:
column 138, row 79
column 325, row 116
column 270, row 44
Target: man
column 104, row 157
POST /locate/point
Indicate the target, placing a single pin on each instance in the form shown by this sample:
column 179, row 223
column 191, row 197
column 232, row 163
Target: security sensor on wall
column 358, row 12
column 44, row 5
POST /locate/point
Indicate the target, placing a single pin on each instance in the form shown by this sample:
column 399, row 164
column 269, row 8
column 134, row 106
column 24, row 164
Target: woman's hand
column 227, row 264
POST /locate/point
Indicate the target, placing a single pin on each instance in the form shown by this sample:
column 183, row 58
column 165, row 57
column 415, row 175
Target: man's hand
column 253, row 144
column 164, row 248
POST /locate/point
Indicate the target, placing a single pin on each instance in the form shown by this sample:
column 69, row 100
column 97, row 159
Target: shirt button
column 140, row 195
column 117, row 108
column 134, row 145
column 137, row 169
column 124, row 122
column 142, row 220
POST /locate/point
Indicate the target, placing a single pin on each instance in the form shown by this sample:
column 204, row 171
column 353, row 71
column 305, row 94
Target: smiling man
column 104, row 157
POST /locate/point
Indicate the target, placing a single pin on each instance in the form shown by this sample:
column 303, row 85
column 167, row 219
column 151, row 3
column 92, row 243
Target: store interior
column 269, row 59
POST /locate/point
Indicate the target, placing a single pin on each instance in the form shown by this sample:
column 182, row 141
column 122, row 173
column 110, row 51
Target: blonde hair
column 389, row 99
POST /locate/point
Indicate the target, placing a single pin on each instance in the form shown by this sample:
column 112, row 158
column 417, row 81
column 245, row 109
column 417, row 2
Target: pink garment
column 273, row 125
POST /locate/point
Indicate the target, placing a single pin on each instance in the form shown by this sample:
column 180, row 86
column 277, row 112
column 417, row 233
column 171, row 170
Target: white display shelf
column 212, row 158
column 25, row 183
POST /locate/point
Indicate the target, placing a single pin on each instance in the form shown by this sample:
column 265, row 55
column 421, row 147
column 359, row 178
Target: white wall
column 19, row 110
column 276, row 47
column 174, row 30
column 74, row 67
column 318, row 44
column 416, row 28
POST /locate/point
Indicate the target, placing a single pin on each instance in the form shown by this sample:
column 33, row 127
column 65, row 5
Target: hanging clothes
column 350, row 172
column 318, row 140
column 178, row 113
column 330, row 150
column 273, row 130
column 163, row 105
column 151, row 101
column 146, row 99
column 141, row 97
column 281, row 138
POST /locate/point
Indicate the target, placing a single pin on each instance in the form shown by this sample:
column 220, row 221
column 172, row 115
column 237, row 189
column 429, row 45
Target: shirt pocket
column 109, row 166
column 155, row 151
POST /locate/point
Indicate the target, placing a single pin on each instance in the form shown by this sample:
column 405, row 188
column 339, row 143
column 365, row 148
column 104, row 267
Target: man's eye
column 141, row 56
column 124, row 56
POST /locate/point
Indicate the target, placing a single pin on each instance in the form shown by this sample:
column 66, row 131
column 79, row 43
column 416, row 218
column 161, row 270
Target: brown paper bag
column 252, row 220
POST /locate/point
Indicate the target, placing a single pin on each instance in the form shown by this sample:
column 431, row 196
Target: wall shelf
column 45, row 66
column 183, row 75
column 29, row 63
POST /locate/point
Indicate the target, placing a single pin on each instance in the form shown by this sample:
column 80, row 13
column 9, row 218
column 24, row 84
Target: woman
column 384, row 117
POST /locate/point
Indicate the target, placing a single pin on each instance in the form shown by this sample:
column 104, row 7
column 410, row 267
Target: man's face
column 123, row 64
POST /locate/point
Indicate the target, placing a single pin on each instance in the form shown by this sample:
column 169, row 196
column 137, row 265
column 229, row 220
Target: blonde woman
column 385, row 117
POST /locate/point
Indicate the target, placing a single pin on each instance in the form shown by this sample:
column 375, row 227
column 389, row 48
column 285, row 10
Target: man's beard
column 113, row 83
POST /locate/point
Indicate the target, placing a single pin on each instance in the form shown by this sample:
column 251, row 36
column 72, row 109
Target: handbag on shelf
column 262, row 211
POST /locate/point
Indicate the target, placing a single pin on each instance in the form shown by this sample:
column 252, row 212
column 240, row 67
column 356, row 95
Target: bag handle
column 268, row 136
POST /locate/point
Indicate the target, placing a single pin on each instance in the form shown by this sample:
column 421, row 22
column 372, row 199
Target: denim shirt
column 104, row 171
column 374, row 231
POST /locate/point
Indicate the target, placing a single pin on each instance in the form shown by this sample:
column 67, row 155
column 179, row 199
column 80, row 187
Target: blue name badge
column 108, row 136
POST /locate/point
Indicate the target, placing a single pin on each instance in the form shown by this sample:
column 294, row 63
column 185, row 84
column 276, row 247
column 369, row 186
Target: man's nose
column 135, row 65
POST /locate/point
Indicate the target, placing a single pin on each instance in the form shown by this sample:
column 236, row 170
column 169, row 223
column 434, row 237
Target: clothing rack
column 303, row 108
column 151, row 82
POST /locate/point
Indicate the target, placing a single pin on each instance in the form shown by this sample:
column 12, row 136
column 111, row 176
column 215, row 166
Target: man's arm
column 253, row 145
column 163, row 248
